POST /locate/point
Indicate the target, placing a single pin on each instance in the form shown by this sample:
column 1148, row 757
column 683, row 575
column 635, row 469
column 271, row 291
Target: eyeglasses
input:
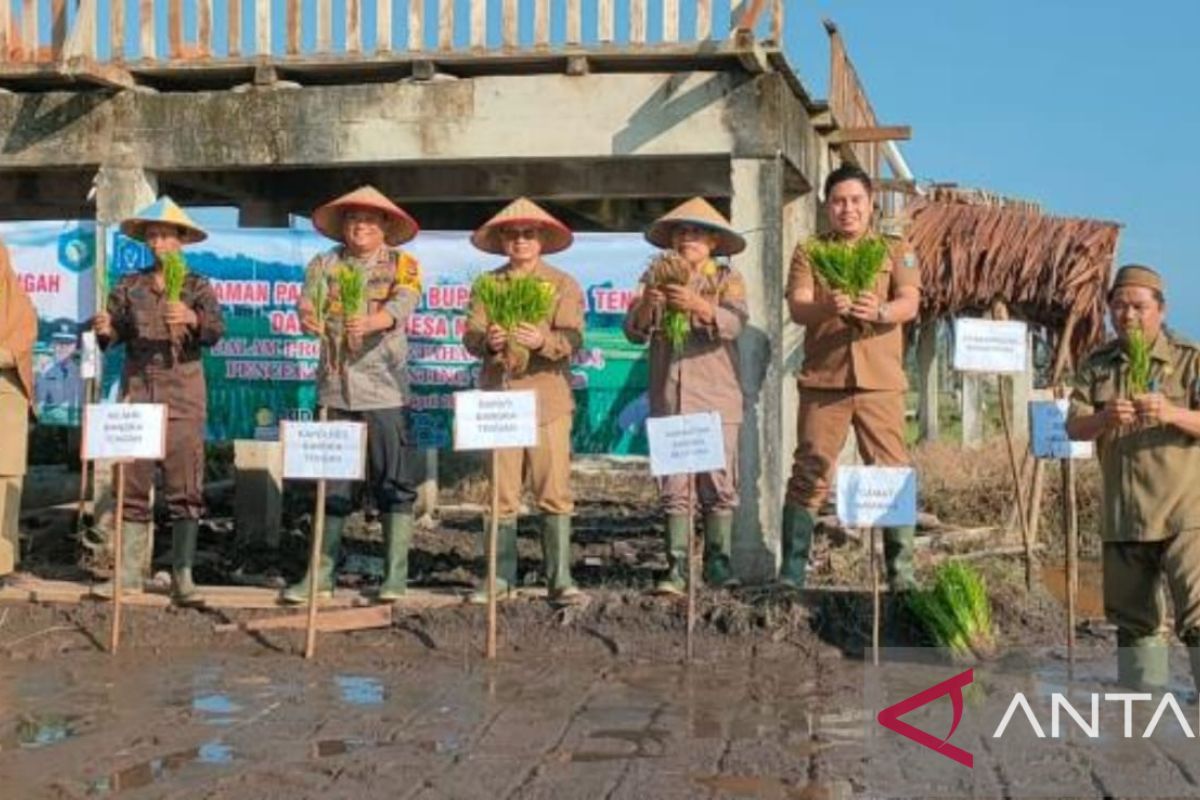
column 520, row 233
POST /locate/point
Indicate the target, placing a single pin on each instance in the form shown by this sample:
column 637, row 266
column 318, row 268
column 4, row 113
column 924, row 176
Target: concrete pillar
column 257, row 492
column 928, row 389
column 971, row 403
column 758, row 211
column 120, row 192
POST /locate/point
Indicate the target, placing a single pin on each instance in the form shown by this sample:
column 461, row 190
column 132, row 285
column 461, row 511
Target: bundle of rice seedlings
column 671, row 269
column 1138, row 351
column 509, row 302
column 956, row 611
column 174, row 272
column 352, row 291
column 848, row 268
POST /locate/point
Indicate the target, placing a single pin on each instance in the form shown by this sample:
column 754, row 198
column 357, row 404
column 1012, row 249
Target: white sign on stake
column 984, row 345
column 883, row 496
column 686, row 444
column 495, row 420
column 1048, row 431
column 313, row 451
column 124, row 431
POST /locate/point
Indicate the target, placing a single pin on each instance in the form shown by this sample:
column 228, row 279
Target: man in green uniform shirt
column 1148, row 442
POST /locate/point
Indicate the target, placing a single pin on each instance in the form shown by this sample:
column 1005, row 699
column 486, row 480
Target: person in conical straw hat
column 362, row 374
column 691, row 308
column 534, row 354
column 165, row 315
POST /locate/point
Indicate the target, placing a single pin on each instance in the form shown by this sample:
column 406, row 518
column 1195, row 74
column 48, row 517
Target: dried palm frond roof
column 974, row 248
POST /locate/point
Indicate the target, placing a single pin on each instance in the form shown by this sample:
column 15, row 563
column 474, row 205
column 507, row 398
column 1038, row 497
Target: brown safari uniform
column 704, row 377
column 1150, row 521
column 549, row 375
column 159, row 370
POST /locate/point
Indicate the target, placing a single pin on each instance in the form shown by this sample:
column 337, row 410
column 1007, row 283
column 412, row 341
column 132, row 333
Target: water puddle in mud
column 360, row 690
column 160, row 769
column 1089, row 600
column 327, row 748
column 647, row 743
column 34, row 731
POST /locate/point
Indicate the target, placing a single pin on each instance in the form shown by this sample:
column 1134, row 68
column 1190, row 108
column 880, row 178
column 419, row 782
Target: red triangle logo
column 890, row 717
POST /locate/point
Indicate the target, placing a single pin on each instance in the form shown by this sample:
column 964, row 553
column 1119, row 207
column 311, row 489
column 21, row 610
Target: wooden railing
column 848, row 101
column 36, row 32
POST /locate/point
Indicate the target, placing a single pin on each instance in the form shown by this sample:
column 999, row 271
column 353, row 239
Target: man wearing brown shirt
column 852, row 375
column 163, row 343
column 700, row 374
column 524, row 233
column 1148, row 443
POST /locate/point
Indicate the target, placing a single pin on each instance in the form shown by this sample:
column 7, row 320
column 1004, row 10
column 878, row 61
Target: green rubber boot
column 506, row 562
column 331, row 545
column 1142, row 663
column 798, row 524
column 397, row 536
column 135, row 538
column 556, row 550
column 1192, row 641
column 718, row 545
column 676, row 540
column 183, row 556
column 898, row 547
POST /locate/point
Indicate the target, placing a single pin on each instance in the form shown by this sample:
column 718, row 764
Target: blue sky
column 1089, row 107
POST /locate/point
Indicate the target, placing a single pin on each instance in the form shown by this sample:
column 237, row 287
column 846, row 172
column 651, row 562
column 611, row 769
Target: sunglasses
column 520, row 233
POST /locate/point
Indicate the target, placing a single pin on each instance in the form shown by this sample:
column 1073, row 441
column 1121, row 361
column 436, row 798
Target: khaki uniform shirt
column 549, row 372
column 842, row 353
column 376, row 375
column 1151, row 474
column 158, row 369
column 704, row 377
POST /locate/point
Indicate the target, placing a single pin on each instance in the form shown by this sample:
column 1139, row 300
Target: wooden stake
column 493, row 537
column 874, row 599
column 1071, row 529
column 691, row 563
column 1016, row 474
column 84, row 465
column 314, row 561
column 114, row 639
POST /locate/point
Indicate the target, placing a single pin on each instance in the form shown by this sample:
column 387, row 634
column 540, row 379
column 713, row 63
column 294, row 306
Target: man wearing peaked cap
column 363, row 372
column 1146, row 425
column 60, row 385
column 852, row 375
column 694, row 370
column 163, row 340
column 523, row 232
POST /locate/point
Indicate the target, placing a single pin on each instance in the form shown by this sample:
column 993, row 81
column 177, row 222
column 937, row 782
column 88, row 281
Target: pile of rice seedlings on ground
column 956, row 611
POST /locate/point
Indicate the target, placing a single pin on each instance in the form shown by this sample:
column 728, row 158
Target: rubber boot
column 798, row 524
column 397, row 536
column 1142, row 663
column 135, row 538
column 556, row 550
column 676, row 540
column 506, row 562
column 718, row 545
column 183, row 555
column 1193, row 648
column 898, row 546
column 331, row 545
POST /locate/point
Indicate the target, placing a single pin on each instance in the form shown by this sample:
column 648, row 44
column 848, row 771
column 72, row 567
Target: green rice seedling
column 1138, row 351
column 509, row 302
column 848, row 268
column 174, row 273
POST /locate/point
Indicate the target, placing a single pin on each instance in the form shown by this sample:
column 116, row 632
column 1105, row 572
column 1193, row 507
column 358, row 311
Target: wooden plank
column 324, row 26
column 746, row 14
column 294, row 21
column 777, row 22
column 445, row 24
column 478, row 23
column 235, row 27
column 637, row 21
column 262, row 27
column 353, row 26
column 704, row 20
column 175, row 28
column 541, row 23
column 351, row 619
column 508, row 19
column 574, row 21
column 671, row 21
column 29, row 30
column 416, row 25
column 87, row 70
column 146, row 30
column 81, row 42
column 604, row 20
column 116, row 13
column 7, row 39
column 58, row 28
column 383, row 26
column 204, row 27
column 879, row 133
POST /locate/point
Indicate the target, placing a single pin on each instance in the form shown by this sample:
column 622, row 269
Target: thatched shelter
column 975, row 248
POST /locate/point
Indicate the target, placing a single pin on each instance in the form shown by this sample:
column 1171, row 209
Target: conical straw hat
column 398, row 228
column 699, row 212
column 163, row 211
column 522, row 211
